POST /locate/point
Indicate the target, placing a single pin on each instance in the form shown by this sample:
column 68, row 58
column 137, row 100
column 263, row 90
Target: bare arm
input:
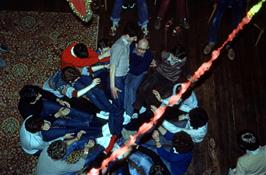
column 83, row 91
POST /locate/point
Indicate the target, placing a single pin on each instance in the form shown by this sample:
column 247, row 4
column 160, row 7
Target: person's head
column 80, row 50
column 30, row 93
column 131, row 30
column 198, row 117
column 70, row 74
column 104, row 44
column 142, row 46
column 57, row 150
column 175, row 55
column 248, row 140
column 35, row 124
column 182, row 142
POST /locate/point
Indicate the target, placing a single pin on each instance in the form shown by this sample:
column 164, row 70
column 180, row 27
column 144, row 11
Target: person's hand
column 155, row 136
column 153, row 108
column 80, row 133
column 62, row 112
column 69, row 136
column 107, row 66
column 153, row 63
column 90, row 144
column 157, row 95
column 114, row 92
column 95, row 82
column 63, row 103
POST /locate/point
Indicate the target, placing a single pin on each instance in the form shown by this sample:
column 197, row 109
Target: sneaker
column 176, row 30
column 208, row 48
column 184, row 24
column 135, row 116
column 230, row 53
column 158, row 23
column 132, row 5
column 113, row 30
column 145, row 31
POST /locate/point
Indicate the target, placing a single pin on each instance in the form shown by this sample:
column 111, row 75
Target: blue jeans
column 238, row 9
column 142, row 12
column 132, row 83
column 50, row 108
column 120, row 84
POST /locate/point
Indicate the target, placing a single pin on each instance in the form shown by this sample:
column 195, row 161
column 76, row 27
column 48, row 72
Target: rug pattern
column 35, row 41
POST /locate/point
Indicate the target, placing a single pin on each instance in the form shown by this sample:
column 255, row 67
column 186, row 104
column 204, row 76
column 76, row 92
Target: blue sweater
column 139, row 64
column 178, row 162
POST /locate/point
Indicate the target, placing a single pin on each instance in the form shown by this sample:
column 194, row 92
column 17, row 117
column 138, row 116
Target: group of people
column 91, row 105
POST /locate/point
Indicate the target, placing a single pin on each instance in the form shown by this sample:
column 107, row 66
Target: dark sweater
column 139, row 64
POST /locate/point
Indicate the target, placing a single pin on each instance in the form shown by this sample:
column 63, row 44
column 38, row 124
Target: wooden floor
column 233, row 92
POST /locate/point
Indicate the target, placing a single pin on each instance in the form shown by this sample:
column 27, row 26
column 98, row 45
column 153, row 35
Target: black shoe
column 158, row 23
column 3, row 48
column 184, row 24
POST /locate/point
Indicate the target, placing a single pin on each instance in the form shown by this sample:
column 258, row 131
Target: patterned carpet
column 35, row 41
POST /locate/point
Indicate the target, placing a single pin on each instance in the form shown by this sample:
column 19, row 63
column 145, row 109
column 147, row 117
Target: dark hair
column 57, row 150
column 131, row 29
column 29, row 93
column 81, row 51
column 182, row 142
column 69, row 74
column 34, row 124
column 198, row 117
column 103, row 43
column 248, row 140
column 179, row 52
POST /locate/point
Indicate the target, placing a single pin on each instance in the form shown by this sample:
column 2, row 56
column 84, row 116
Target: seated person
column 196, row 124
column 34, row 129
column 253, row 161
column 180, row 155
column 61, row 158
column 36, row 101
column 78, row 55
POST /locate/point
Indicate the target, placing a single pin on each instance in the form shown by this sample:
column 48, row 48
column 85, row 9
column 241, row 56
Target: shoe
column 113, row 30
column 145, row 32
column 131, row 5
column 168, row 24
column 208, row 48
column 176, row 30
column 135, row 116
column 230, row 52
column 3, row 48
column 184, row 24
column 158, row 23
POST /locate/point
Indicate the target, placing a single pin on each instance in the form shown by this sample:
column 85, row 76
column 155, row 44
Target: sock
column 111, row 144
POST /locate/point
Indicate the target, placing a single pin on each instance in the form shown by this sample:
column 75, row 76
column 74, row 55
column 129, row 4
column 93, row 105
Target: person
column 171, row 70
column 36, row 101
column 143, row 16
column 181, row 10
column 119, row 63
column 57, row 158
column 253, row 161
column 139, row 60
column 36, row 132
column 196, row 124
column 180, row 155
column 238, row 11
column 78, row 55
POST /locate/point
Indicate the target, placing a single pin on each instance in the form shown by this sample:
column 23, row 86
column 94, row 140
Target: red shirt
column 67, row 59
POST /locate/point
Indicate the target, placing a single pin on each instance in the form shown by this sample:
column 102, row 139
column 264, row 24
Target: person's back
column 49, row 166
column 253, row 163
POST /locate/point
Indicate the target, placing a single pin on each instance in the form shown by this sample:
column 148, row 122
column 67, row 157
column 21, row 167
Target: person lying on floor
column 36, row 132
column 36, row 101
column 68, row 156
